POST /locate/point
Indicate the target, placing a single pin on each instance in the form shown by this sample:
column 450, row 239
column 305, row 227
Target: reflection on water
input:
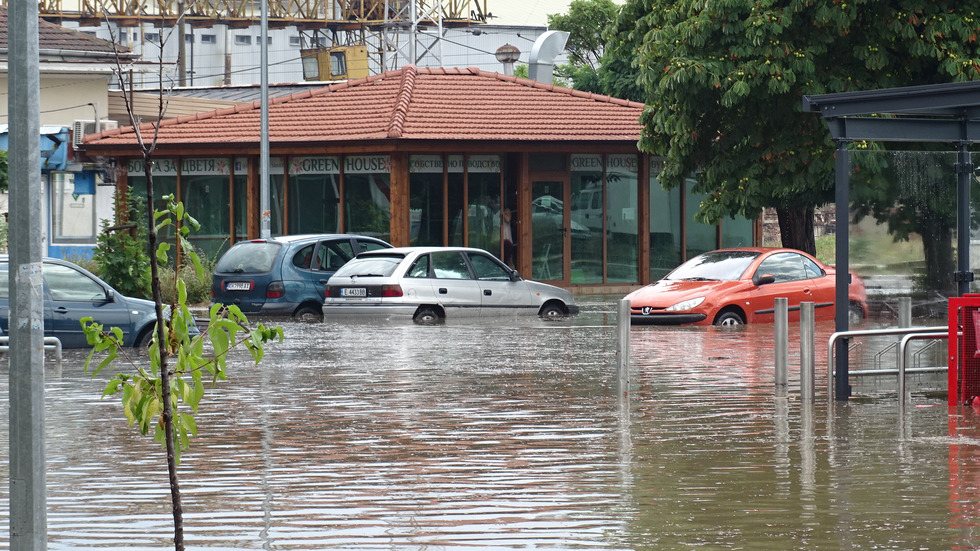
column 486, row 435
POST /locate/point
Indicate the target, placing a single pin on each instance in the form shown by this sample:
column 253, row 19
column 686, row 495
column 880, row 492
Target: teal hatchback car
column 72, row 293
column 285, row 276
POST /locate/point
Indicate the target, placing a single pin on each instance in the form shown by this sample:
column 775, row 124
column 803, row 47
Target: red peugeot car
column 736, row 286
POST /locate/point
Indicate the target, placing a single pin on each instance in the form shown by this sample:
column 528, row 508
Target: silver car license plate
column 238, row 286
column 353, row 292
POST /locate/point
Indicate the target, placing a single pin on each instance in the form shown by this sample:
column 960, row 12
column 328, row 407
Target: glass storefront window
column 204, row 186
column 314, row 195
column 276, row 196
column 483, row 173
column 367, row 205
column 665, row 225
column 456, row 191
column 665, row 231
column 736, row 232
column 164, row 183
column 240, row 199
column 621, row 218
column 587, row 219
column 425, row 199
column 73, row 217
column 701, row 238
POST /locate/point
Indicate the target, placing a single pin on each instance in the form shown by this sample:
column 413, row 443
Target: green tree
column 723, row 83
column 585, row 23
column 121, row 251
column 164, row 398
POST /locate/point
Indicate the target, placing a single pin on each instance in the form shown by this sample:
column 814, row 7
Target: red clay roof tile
column 410, row 104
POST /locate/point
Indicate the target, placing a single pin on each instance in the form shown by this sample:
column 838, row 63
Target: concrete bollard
column 623, row 326
column 781, row 324
column 808, row 331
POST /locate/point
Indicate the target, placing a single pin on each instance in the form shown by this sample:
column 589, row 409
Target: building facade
column 436, row 157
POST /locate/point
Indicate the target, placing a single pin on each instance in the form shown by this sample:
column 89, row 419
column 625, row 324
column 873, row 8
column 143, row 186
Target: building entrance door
column 550, row 221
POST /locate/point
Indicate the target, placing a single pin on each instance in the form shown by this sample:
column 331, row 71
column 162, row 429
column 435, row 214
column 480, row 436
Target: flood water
column 495, row 435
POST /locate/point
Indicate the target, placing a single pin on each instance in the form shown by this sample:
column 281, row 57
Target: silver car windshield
column 373, row 266
column 714, row 266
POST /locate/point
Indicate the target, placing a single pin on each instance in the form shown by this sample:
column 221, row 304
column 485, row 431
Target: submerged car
column 737, row 286
column 431, row 284
column 72, row 293
column 284, row 276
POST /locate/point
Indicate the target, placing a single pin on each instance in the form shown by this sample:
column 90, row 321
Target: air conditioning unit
column 83, row 128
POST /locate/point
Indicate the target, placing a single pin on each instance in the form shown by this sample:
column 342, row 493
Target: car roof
column 405, row 251
column 6, row 258
column 306, row 237
column 760, row 249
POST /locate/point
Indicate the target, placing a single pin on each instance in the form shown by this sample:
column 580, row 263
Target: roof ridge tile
column 404, row 99
column 554, row 88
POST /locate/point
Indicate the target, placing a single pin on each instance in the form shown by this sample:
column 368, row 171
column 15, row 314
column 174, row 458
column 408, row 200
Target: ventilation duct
column 546, row 48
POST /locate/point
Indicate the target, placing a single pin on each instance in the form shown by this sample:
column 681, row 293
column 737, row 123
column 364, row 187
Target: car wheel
column 552, row 311
column 426, row 316
column 144, row 339
column 309, row 314
column 728, row 319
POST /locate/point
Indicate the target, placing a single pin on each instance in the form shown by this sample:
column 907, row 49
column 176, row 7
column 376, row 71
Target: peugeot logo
column 646, row 310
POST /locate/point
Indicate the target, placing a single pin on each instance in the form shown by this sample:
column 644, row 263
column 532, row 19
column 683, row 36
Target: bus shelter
column 940, row 113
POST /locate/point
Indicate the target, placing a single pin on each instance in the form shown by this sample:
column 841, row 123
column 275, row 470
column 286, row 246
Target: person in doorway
column 508, row 239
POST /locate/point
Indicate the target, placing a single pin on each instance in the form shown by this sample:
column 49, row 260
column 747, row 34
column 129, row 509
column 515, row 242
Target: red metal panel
column 964, row 349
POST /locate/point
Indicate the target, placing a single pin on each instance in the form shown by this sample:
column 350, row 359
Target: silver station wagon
column 430, row 284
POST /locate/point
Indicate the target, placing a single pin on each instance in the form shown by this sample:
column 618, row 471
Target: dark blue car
column 285, row 276
column 72, row 293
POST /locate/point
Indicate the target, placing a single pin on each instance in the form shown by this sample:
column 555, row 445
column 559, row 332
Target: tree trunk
column 168, row 413
column 796, row 228
column 937, row 246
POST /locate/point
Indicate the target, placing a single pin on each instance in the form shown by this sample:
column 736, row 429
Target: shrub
column 198, row 288
column 121, row 250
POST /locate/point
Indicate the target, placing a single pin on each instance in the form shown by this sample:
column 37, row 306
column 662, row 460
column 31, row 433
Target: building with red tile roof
column 433, row 157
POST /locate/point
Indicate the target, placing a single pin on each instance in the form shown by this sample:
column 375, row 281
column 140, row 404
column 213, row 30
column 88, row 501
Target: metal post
column 842, row 184
column 781, row 320
column 964, row 172
column 28, row 508
column 266, row 213
column 808, row 331
column 905, row 311
column 623, row 325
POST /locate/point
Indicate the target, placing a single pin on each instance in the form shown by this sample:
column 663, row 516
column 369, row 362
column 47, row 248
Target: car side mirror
column 764, row 279
column 514, row 276
column 110, row 295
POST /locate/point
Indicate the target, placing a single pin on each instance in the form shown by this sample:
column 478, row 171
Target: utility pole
column 28, row 504
column 181, row 46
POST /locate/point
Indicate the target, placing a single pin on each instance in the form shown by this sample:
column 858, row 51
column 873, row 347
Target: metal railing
column 50, row 343
column 871, row 333
column 903, row 352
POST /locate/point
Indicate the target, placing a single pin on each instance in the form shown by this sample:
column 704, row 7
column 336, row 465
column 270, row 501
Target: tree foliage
column 142, row 391
column 723, row 83
column 121, row 251
column 585, row 24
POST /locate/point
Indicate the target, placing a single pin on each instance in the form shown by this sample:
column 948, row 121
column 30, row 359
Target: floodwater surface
column 512, row 434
